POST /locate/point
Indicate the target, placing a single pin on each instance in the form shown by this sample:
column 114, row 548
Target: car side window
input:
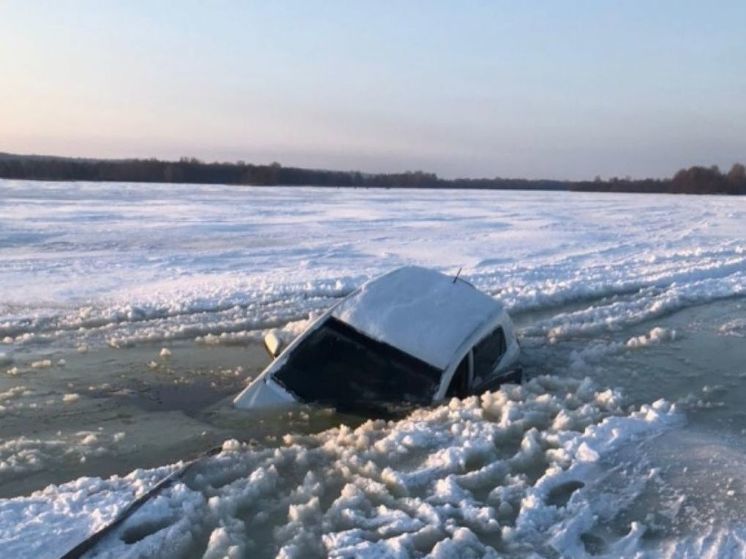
column 459, row 387
column 488, row 352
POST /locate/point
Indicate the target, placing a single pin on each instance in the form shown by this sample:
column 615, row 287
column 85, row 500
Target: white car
column 412, row 336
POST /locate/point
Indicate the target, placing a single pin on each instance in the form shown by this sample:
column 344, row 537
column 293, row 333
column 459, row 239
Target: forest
column 694, row 180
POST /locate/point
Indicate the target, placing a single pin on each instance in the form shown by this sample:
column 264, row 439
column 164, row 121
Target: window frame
column 469, row 357
column 478, row 379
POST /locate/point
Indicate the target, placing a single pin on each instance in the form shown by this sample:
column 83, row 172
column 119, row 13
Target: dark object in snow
column 92, row 540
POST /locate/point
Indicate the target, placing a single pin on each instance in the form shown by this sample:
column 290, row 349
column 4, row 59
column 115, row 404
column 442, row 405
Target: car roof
column 419, row 311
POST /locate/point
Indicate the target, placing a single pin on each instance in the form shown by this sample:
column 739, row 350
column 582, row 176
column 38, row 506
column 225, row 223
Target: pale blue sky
column 560, row 89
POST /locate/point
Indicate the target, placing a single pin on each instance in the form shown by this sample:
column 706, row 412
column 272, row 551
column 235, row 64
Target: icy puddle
column 130, row 315
column 110, row 411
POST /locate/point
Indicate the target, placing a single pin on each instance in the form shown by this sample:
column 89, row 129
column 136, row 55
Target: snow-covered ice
column 90, row 263
column 640, row 292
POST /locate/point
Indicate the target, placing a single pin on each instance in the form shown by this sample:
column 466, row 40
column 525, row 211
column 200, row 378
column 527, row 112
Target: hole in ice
column 559, row 495
column 142, row 530
column 594, row 545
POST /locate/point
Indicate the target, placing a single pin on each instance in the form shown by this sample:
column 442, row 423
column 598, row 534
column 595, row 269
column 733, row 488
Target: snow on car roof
column 420, row 311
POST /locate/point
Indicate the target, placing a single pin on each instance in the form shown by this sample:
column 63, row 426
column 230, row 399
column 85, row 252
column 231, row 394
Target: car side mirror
column 273, row 344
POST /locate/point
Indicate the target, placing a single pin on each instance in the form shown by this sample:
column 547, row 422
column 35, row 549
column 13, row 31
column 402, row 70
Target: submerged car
column 412, row 336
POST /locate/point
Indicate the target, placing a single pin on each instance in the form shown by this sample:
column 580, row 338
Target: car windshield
column 338, row 365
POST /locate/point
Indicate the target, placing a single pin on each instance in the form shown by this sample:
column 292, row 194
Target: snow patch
column 736, row 327
column 656, row 336
column 474, row 476
column 24, row 455
column 41, row 364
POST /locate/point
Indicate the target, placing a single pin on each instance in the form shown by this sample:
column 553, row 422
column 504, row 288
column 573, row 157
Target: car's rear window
column 338, row 365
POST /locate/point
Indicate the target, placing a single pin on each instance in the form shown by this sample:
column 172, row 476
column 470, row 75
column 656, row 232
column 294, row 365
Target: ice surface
column 559, row 467
column 91, row 264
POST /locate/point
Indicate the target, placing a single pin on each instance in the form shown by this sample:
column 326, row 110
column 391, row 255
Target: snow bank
column 645, row 305
column 508, row 473
column 49, row 522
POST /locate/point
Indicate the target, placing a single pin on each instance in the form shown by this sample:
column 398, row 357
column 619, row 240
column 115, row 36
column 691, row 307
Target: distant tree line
column 695, row 180
column 709, row 180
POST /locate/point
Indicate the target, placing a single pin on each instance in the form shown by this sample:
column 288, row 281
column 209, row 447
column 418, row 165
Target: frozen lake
column 131, row 313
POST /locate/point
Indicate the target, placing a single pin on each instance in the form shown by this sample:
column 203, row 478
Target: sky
column 540, row 89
